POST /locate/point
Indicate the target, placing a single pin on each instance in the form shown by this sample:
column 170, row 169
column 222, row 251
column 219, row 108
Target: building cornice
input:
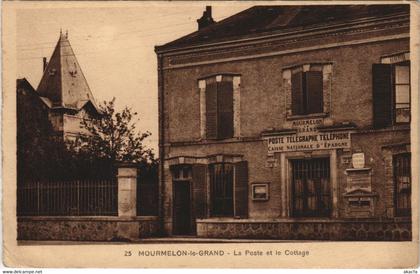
column 209, row 159
column 289, row 51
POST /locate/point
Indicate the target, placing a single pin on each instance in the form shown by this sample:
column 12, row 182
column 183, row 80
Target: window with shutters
column 402, row 93
column 391, row 92
column 229, row 189
column 307, row 93
column 219, row 100
column 308, row 89
column 402, row 182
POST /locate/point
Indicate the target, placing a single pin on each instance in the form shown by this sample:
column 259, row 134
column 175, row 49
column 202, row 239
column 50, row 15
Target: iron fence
column 68, row 198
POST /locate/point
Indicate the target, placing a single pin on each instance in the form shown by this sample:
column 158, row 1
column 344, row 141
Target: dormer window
column 52, row 72
column 73, row 69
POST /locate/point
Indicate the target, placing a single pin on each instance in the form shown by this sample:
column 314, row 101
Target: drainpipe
column 161, row 186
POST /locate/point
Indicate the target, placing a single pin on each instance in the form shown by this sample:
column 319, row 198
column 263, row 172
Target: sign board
column 358, row 160
column 308, row 138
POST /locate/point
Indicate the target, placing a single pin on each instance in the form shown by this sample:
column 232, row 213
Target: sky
column 114, row 46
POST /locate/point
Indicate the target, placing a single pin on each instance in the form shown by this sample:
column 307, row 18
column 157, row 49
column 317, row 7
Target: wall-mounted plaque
column 359, row 179
column 358, row 160
column 359, row 198
column 260, row 191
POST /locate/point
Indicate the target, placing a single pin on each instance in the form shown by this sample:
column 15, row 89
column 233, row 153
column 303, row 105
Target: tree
column 114, row 137
column 39, row 154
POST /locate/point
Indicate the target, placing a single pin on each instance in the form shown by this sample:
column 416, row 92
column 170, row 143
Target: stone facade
column 86, row 228
column 345, row 230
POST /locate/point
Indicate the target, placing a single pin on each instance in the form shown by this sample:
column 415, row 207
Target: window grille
column 402, row 180
column 311, row 187
column 221, row 179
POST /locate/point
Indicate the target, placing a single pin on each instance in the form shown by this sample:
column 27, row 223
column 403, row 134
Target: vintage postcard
column 210, row 134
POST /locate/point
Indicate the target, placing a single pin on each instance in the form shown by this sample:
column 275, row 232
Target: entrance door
column 311, row 187
column 182, row 208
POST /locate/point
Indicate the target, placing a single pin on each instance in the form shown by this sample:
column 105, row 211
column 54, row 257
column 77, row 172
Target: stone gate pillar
column 127, row 190
column 127, row 224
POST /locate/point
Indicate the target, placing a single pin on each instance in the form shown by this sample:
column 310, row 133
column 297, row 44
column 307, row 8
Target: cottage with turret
column 63, row 93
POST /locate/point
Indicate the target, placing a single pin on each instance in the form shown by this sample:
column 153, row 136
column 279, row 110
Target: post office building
column 288, row 122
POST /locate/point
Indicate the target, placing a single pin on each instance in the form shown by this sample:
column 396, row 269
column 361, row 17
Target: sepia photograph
column 153, row 127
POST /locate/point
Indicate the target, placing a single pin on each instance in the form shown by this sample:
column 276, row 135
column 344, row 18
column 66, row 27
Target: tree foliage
column 38, row 153
column 114, row 136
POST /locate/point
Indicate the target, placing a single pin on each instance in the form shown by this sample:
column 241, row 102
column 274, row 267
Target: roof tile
column 262, row 20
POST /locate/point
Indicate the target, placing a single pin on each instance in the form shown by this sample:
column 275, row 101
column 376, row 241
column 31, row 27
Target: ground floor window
column 311, row 187
column 402, row 179
column 221, row 185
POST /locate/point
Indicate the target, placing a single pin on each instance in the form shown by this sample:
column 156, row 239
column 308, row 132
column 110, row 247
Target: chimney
column 44, row 59
column 206, row 20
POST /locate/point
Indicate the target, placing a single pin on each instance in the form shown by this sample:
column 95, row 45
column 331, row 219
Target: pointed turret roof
column 63, row 82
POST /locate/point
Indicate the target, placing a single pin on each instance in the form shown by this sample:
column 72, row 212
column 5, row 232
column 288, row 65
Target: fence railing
column 68, row 198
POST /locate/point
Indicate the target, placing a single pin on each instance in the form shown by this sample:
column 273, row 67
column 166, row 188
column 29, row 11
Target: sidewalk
column 163, row 240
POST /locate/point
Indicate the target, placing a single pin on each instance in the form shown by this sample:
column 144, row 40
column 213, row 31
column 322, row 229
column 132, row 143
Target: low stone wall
column 336, row 230
column 87, row 228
